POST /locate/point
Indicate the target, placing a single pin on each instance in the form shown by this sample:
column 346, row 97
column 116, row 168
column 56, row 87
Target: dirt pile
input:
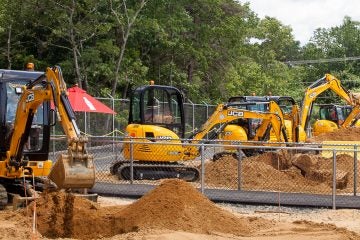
column 174, row 205
column 344, row 134
column 14, row 225
column 281, row 171
column 319, row 169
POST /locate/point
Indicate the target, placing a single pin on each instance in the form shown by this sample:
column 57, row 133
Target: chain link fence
column 299, row 170
column 302, row 169
column 100, row 124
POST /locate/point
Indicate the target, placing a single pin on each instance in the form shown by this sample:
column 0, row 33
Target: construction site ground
column 174, row 209
column 283, row 177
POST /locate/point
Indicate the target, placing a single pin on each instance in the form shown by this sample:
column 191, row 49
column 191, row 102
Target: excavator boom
column 226, row 113
column 72, row 170
column 328, row 82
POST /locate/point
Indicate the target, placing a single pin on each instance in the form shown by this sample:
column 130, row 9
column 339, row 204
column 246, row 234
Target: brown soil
column 174, row 210
column 344, row 134
column 275, row 171
column 174, row 205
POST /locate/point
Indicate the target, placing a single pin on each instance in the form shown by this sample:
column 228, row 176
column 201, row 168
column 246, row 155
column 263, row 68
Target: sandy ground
column 284, row 216
column 177, row 211
column 173, row 211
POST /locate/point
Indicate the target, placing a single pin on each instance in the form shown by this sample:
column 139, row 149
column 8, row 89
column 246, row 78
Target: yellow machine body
column 72, row 170
column 324, row 126
column 233, row 133
column 142, row 148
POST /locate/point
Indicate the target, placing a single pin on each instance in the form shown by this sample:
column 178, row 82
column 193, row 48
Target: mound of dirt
column 343, row 134
column 14, row 225
column 281, row 171
column 174, row 205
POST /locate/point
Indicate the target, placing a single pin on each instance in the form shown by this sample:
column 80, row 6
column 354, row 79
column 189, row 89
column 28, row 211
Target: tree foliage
column 210, row 49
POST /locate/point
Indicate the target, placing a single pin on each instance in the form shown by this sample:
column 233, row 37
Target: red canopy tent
column 82, row 102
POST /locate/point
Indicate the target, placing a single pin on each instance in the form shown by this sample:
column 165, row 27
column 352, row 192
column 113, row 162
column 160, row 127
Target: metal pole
column 85, row 122
column 202, row 169
column 239, row 168
column 334, row 181
column 355, row 170
column 113, row 120
column 207, row 109
column 193, row 115
column 115, row 143
column 131, row 162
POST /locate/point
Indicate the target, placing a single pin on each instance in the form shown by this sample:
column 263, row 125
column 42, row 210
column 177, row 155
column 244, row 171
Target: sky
column 305, row 16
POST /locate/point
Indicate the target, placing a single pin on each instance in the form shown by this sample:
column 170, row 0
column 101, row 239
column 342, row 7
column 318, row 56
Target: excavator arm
column 28, row 104
column 225, row 114
column 72, row 170
column 328, row 82
column 352, row 117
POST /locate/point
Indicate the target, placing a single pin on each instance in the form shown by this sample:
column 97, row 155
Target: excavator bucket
column 79, row 174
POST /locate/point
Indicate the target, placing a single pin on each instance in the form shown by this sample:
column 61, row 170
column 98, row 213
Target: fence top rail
column 247, row 146
column 216, row 141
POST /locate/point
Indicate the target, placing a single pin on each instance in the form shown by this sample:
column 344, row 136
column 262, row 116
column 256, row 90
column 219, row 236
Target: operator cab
column 285, row 102
column 11, row 85
column 158, row 105
column 334, row 113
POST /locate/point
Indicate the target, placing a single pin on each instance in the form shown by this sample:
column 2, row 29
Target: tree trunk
column 190, row 70
column 74, row 46
column 126, row 34
column 8, row 50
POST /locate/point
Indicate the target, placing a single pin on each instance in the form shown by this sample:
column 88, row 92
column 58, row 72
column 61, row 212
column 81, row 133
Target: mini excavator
column 26, row 117
column 336, row 113
column 157, row 116
column 331, row 118
column 286, row 105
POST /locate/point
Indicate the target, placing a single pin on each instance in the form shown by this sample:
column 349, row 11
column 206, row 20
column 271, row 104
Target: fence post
column 131, row 162
column 115, row 144
column 239, row 158
column 193, row 115
column 355, row 169
column 202, row 169
column 207, row 109
column 113, row 117
column 334, row 181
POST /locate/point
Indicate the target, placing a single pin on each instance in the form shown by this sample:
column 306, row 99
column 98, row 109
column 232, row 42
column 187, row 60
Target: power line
column 324, row 60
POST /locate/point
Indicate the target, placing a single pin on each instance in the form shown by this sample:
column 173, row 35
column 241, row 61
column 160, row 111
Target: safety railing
column 298, row 169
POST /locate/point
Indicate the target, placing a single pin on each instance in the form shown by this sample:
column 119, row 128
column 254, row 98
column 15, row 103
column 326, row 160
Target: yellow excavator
column 330, row 118
column 286, row 108
column 157, row 116
column 337, row 114
column 26, row 119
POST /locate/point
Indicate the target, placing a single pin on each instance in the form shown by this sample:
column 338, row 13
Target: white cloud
column 305, row 16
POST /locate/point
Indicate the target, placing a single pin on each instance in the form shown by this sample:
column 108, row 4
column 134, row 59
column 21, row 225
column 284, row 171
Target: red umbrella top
column 81, row 101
